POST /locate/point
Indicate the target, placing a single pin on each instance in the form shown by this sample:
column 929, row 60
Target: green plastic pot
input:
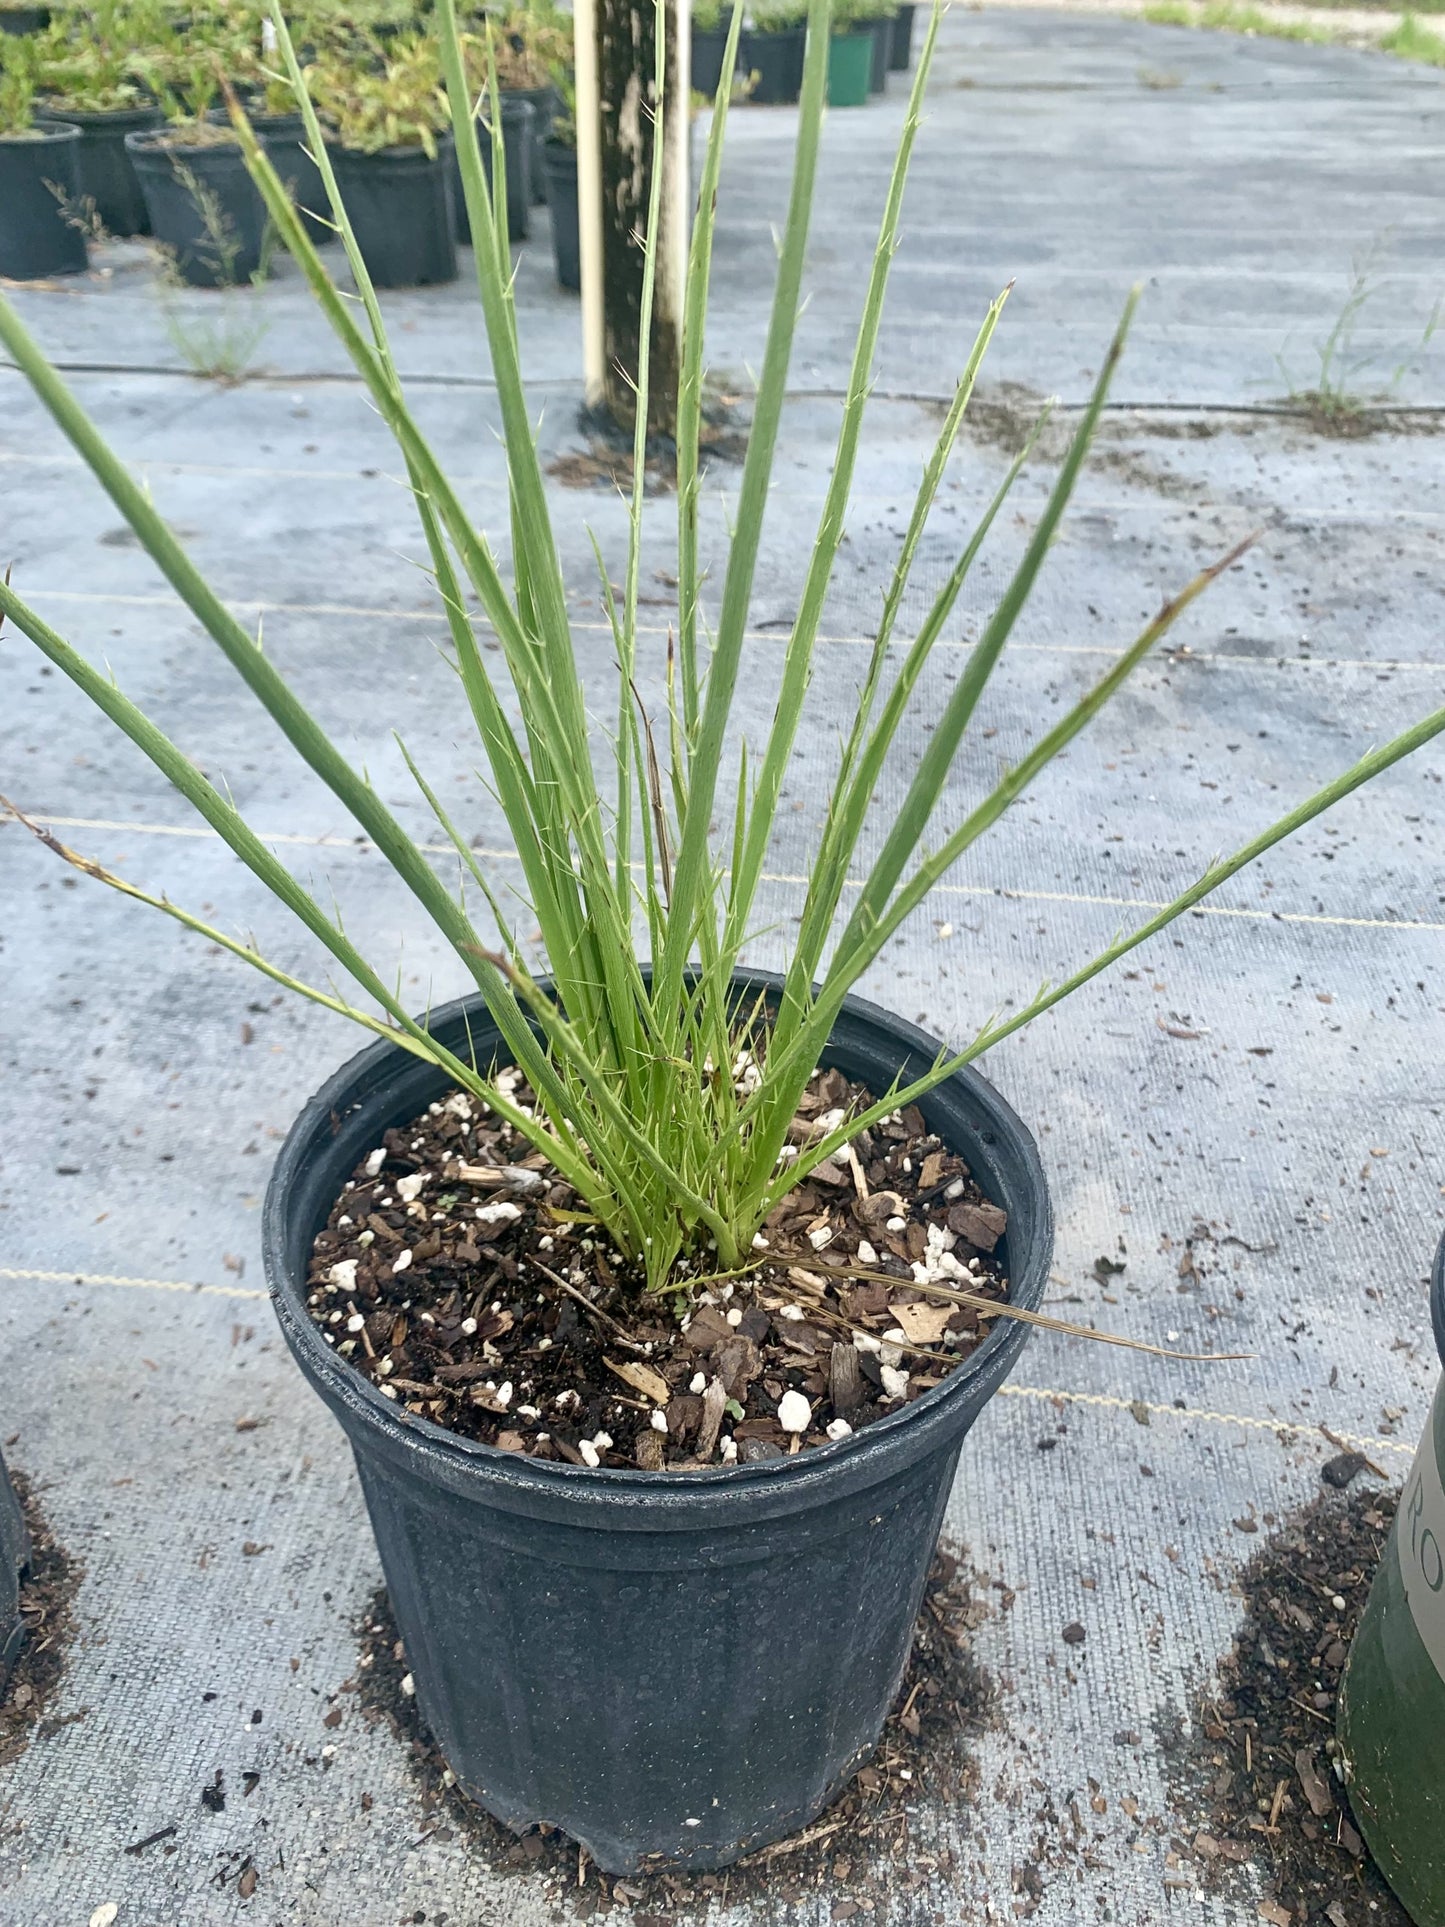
column 850, row 68
column 1392, row 1697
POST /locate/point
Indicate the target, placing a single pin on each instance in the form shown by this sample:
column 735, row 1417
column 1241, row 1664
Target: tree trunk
column 626, row 68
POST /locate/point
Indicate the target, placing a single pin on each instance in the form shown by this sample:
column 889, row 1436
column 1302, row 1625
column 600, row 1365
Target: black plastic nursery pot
column 14, row 1558
column 517, row 151
column 560, row 164
column 39, row 188
column 900, row 53
column 882, row 31
column 1392, row 1696
column 776, row 59
column 709, row 45
column 673, row 1667
column 20, row 20
column 399, row 203
column 546, row 105
column 104, row 167
column 203, row 206
column 284, row 136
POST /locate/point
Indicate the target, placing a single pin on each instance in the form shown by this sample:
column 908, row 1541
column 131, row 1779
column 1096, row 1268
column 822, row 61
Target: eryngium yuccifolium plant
column 658, row 1099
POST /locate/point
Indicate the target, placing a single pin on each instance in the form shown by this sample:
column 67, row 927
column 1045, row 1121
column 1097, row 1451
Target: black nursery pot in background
column 20, row 20
column 900, row 55
column 399, row 203
column 708, row 47
column 518, row 153
column 14, row 1558
column 39, row 188
column 203, row 206
column 882, row 54
column 104, row 169
column 284, row 137
column 777, row 60
column 683, row 1665
column 560, row 162
column 546, row 105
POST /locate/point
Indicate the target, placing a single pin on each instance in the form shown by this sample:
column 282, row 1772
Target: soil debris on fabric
column 454, row 1274
column 1254, row 1786
column 860, row 1852
column 47, row 1592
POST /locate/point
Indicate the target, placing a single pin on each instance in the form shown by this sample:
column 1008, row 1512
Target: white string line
column 966, row 891
column 1107, row 1401
column 363, row 611
column 1102, row 1401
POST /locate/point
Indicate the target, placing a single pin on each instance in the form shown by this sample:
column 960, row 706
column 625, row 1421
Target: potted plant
column 40, row 220
column 92, row 61
column 900, row 52
column 392, row 157
column 519, row 143
column 202, row 206
column 850, row 56
column 710, row 21
column 14, row 1558
column 532, row 47
column 775, row 51
column 271, row 107
column 600, row 1271
column 874, row 18
column 1392, row 1696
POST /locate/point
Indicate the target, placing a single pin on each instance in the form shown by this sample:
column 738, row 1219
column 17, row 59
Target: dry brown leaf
column 642, row 1378
column 922, row 1324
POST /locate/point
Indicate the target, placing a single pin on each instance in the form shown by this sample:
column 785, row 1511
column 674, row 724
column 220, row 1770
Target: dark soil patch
column 454, row 1274
column 857, row 1852
column 1255, row 1786
column 606, row 459
column 1348, row 421
column 47, row 1593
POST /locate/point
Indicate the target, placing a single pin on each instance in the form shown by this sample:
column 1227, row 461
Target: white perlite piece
column 839, row 1428
column 891, row 1349
column 820, row 1237
column 895, row 1383
column 589, row 1453
column 343, row 1274
column 794, row 1412
column 469, row 1326
column 375, row 1161
column 408, row 1686
column 459, row 1104
column 408, row 1189
column 400, row 1263
column 734, row 1317
column 503, row 1213
column 658, row 1421
column 106, row 1913
column 866, row 1254
column 603, row 1441
column 698, row 1382
column 355, row 1322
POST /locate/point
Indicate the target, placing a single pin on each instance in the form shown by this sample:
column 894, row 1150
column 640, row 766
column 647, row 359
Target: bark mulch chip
column 1254, row 1785
column 858, row 1852
column 47, row 1591
column 454, row 1274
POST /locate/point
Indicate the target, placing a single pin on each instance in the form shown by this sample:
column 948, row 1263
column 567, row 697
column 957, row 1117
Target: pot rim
column 84, row 117
column 413, row 154
column 152, row 140
column 43, row 130
column 631, row 1497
